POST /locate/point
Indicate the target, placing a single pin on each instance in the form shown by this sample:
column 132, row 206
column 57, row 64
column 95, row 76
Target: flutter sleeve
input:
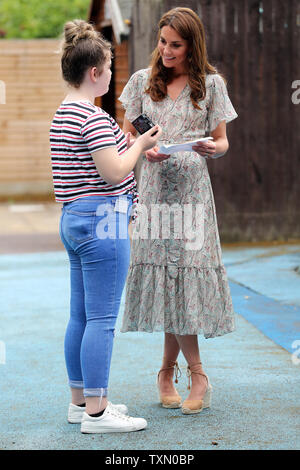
column 132, row 94
column 220, row 107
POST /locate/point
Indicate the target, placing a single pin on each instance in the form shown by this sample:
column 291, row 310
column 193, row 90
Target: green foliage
column 29, row 19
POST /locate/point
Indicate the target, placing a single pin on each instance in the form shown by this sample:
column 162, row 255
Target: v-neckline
column 178, row 94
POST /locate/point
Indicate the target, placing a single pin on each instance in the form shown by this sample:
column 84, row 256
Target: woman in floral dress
column 177, row 282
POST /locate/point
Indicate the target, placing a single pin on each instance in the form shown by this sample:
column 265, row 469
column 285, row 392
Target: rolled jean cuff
column 76, row 383
column 95, row 392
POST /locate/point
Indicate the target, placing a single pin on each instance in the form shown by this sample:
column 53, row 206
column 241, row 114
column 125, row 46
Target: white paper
column 184, row 147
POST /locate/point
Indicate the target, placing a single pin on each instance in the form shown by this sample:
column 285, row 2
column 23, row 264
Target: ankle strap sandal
column 170, row 401
column 196, row 406
column 177, row 370
column 189, row 373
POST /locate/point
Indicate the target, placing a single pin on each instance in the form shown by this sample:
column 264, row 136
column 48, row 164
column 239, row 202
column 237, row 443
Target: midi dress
column 177, row 282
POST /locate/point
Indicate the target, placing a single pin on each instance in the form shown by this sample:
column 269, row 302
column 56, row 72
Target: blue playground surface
column 255, row 371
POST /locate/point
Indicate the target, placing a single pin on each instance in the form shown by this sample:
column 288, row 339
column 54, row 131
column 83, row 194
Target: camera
column 143, row 123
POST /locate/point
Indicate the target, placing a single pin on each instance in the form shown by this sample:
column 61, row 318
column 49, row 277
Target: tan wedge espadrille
column 170, row 401
column 196, row 406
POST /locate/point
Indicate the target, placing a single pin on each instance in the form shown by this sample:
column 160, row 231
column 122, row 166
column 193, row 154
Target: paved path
column 27, row 228
column 254, row 371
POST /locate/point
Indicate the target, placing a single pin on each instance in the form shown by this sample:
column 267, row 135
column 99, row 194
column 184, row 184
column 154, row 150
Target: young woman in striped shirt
column 93, row 178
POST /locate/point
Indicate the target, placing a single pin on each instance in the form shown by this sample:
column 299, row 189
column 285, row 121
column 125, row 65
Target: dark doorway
column 108, row 100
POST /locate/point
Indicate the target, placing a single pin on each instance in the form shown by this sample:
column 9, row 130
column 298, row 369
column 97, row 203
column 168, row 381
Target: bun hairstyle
column 82, row 47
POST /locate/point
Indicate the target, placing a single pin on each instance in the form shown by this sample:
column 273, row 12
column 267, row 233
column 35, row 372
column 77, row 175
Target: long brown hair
column 189, row 26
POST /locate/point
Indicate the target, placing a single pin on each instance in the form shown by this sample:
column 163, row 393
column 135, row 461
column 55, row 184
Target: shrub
column 29, row 19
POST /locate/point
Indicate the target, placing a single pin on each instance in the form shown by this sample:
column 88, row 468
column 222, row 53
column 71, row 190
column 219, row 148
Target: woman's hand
column 153, row 156
column 149, row 139
column 206, row 149
column 130, row 139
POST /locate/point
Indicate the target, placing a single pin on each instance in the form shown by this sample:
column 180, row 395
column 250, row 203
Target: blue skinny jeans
column 94, row 231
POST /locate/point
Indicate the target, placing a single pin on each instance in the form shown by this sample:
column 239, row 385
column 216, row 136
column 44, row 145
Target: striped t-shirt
column 78, row 129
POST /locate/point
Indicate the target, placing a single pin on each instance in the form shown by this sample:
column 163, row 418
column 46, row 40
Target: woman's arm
column 114, row 167
column 220, row 139
column 151, row 155
column 128, row 127
column 214, row 148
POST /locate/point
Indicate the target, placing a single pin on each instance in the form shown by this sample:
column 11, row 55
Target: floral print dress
column 177, row 282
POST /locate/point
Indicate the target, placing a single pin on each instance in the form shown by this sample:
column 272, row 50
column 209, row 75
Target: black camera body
column 143, row 123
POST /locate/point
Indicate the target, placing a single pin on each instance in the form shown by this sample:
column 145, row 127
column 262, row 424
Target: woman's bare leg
column 171, row 351
column 190, row 349
column 77, row 396
column 93, row 404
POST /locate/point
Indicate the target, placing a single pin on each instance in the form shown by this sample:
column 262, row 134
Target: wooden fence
column 34, row 88
column 255, row 44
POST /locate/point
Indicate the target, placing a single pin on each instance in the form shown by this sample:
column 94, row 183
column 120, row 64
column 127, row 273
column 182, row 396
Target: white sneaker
column 75, row 412
column 111, row 421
